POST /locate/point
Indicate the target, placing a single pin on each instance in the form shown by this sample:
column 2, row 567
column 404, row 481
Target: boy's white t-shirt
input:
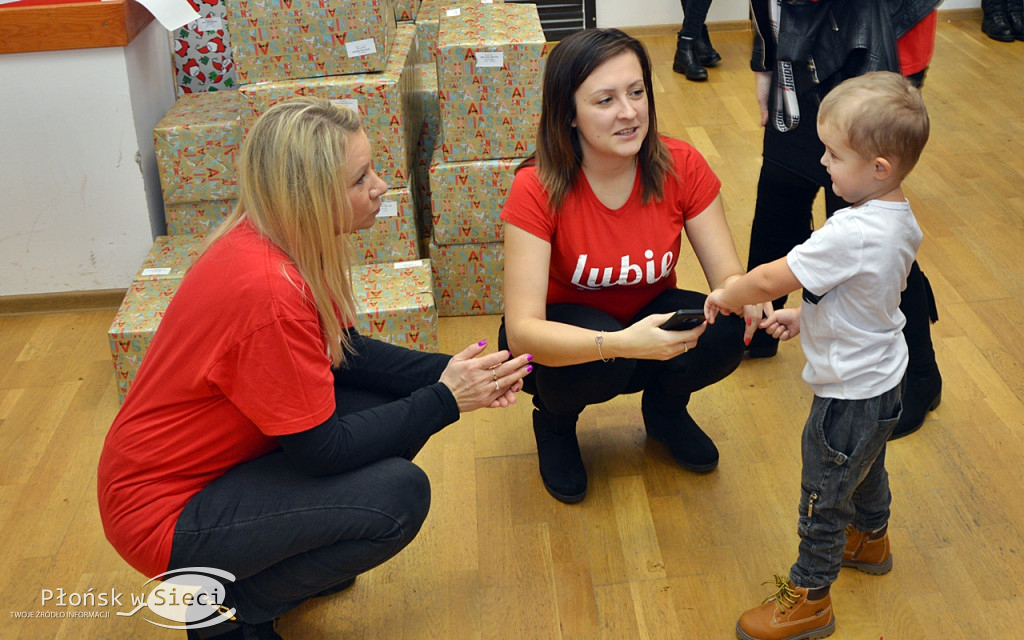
column 856, row 267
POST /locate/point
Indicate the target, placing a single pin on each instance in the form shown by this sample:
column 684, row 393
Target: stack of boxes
column 352, row 52
column 490, row 65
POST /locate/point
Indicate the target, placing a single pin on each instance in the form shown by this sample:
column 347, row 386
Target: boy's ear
column 883, row 168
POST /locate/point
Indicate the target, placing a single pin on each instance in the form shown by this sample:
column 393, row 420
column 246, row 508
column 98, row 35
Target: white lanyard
column 787, row 111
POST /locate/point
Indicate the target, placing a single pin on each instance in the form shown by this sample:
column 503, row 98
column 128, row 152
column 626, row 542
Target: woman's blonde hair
column 292, row 188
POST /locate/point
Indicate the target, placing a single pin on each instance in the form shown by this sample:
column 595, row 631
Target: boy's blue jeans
column 844, row 480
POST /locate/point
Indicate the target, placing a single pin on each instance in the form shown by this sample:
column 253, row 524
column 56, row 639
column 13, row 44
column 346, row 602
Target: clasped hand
column 490, row 380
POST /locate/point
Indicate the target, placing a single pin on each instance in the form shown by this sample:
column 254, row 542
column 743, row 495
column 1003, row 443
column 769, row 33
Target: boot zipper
column 810, row 504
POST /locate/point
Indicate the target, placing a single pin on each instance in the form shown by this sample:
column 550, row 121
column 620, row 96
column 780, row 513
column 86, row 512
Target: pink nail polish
column 529, row 368
column 481, row 343
column 529, row 357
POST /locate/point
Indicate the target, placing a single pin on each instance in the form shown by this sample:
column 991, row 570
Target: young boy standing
column 852, row 271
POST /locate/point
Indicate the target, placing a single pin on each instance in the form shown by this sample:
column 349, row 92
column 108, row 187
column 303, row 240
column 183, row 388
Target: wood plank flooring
column 653, row 552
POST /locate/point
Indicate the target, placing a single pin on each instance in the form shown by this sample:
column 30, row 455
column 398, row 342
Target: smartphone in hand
column 684, row 319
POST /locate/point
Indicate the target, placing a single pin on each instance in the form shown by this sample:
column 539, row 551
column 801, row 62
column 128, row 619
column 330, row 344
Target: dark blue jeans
column 288, row 536
column 844, row 480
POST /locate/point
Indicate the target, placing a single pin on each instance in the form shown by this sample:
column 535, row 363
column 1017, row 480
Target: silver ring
column 496, row 387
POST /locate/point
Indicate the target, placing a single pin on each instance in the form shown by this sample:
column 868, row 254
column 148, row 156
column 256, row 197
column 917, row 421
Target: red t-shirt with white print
column 614, row 260
column 239, row 358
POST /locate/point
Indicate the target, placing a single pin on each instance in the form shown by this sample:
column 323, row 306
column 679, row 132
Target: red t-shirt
column 917, row 45
column 614, row 260
column 239, row 357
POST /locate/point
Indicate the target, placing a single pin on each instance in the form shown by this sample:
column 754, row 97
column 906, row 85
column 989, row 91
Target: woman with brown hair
column 594, row 224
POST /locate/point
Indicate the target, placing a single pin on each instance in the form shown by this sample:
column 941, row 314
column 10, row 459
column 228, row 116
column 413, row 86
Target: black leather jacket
column 829, row 36
column 827, row 41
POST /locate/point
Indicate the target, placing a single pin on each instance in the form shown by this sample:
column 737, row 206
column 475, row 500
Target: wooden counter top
column 26, row 26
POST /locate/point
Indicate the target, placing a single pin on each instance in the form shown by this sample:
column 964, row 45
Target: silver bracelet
column 599, row 340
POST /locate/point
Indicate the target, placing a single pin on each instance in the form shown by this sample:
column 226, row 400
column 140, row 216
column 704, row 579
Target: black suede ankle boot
column 686, row 61
column 558, row 452
column 706, row 54
column 667, row 421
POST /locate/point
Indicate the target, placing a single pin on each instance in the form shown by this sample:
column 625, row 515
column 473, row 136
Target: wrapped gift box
column 466, row 200
column 406, row 10
column 383, row 99
column 394, row 236
column 135, row 324
column 490, row 69
column 286, row 39
column 468, row 278
column 427, row 144
column 201, row 51
column 170, row 257
column 396, row 303
column 428, row 19
column 197, row 144
column 196, row 217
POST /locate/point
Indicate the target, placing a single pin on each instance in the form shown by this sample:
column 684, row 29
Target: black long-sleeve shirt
column 356, row 436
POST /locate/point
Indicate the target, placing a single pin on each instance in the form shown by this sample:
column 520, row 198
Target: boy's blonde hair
column 882, row 115
column 292, row 180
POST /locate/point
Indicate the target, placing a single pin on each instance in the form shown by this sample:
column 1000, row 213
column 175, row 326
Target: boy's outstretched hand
column 714, row 304
column 782, row 324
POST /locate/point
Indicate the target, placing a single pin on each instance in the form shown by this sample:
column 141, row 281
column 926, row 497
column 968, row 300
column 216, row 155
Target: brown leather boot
column 788, row 615
column 866, row 554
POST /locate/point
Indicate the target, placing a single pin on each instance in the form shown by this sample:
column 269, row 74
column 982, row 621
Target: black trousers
column 565, row 391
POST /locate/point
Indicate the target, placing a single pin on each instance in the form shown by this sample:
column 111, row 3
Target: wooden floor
column 654, row 552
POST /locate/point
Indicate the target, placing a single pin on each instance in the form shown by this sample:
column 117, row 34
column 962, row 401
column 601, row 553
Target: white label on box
column 348, row 103
column 213, row 23
column 388, row 209
column 408, row 263
column 453, row 12
column 490, row 59
column 486, row 1
column 157, row 271
column 358, row 48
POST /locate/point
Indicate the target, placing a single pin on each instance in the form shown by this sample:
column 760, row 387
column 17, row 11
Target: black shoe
column 706, row 54
column 690, row 447
column 236, row 629
column 558, row 452
column 341, row 586
column 923, row 394
column 1015, row 15
column 996, row 22
column 686, row 62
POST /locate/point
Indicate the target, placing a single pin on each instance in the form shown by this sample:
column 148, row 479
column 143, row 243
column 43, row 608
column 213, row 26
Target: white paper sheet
column 171, row 13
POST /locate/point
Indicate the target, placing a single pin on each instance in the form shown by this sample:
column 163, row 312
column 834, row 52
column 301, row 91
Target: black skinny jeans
column 288, row 536
column 565, row 391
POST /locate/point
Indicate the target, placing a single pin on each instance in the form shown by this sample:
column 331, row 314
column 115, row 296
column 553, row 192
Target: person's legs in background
column 782, row 220
column 924, row 383
column 693, row 44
